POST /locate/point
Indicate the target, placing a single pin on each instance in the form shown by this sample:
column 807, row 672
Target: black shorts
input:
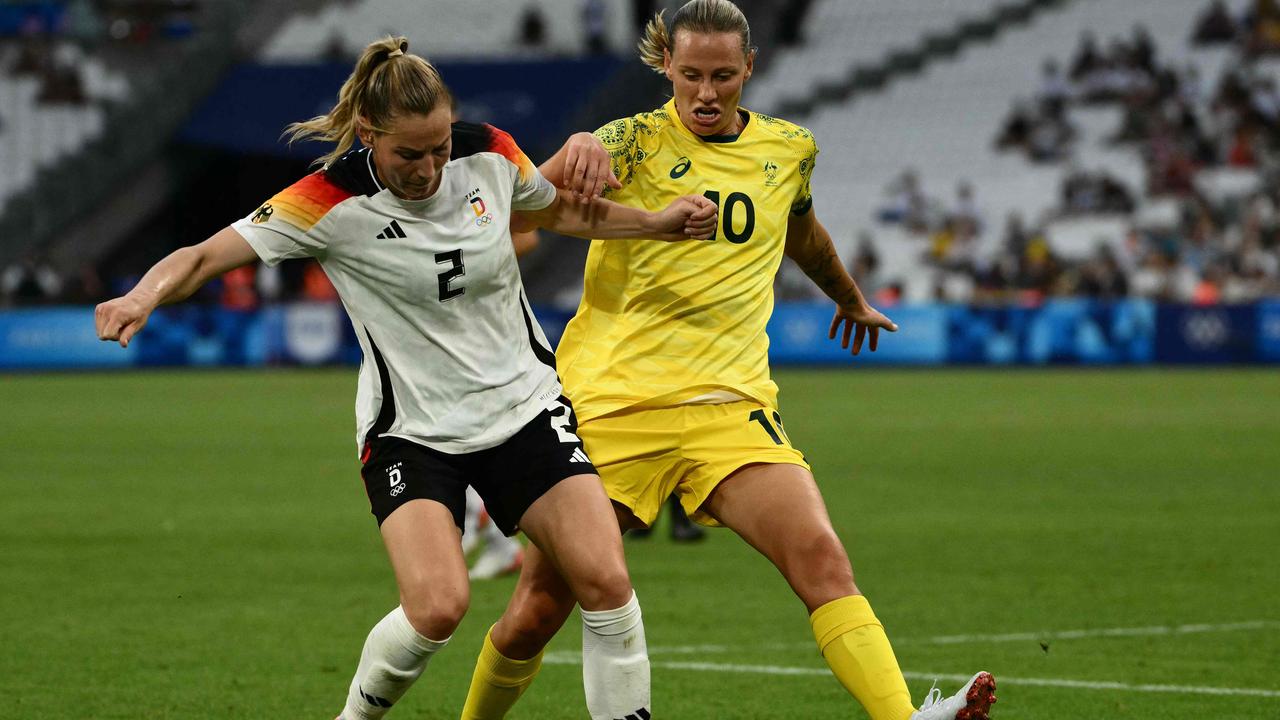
column 509, row 477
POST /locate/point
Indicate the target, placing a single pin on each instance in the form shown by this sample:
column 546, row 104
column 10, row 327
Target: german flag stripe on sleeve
column 502, row 143
column 303, row 203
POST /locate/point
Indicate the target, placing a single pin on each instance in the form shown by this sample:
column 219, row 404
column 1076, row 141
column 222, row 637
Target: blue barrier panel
column 53, row 338
column 1059, row 332
column 1269, row 331
column 1211, row 334
column 202, row 336
column 798, row 334
column 1067, row 331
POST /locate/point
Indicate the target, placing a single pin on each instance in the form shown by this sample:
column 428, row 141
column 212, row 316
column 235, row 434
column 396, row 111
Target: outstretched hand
column 120, row 319
column 690, row 216
column 587, row 168
column 866, row 320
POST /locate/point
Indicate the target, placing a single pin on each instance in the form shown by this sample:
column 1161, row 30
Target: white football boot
column 973, row 702
column 500, row 557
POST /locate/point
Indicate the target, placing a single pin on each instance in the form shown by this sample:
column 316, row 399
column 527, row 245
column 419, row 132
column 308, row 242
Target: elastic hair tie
column 395, row 53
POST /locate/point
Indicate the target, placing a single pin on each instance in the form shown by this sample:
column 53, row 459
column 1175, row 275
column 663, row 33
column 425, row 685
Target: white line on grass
column 569, row 658
column 1149, row 631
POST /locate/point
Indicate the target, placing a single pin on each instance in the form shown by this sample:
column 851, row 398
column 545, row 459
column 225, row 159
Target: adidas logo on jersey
column 391, row 231
column 579, row 456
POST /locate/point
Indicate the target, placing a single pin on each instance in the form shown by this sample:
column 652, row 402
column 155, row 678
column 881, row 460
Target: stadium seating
column 488, row 29
column 838, row 36
column 945, row 119
column 34, row 135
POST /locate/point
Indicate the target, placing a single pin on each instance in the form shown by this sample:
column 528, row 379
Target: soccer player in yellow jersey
column 666, row 363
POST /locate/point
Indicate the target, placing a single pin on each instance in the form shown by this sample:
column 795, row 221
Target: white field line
column 1149, row 631
column 573, row 658
column 569, row 658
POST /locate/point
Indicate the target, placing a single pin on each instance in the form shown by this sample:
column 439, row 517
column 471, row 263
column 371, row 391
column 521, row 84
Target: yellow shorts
column 645, row 455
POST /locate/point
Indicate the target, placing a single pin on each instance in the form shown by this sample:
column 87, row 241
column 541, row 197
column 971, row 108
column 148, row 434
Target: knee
column 819, row 569
column 605, row 589
column 435, row 614
column 529, row 624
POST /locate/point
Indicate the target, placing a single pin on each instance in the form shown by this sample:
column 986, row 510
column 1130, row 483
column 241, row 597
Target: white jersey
column 453, row 358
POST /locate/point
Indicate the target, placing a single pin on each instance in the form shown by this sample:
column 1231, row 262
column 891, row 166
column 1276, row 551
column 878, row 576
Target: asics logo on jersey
column 681, row 167
column 391, row 231
column 263, row 214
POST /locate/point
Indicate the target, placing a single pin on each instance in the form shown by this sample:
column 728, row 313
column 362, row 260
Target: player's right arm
column 583, row 167
column 172, row 279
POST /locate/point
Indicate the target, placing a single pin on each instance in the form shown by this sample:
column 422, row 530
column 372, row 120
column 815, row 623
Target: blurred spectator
column 31, row 280
column 335, row 48
column 1262, row 26
column 1086, row 193
column 1087, row 57
column 1142, row 51
column 594, row 27
column 1054, row 86
column 905, row 203
column 1017, row 127
column 865, row 263
column 238, row 289
column 966, row 210
column 533, row 28
column 316, row 286
column 791, row 22
column 1215, row 26
column 1101, row 277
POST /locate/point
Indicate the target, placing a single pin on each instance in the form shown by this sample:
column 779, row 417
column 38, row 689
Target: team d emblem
column 483, row 216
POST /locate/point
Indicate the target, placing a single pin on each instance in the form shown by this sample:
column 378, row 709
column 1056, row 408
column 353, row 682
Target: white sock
column 394, row 656
column 615, row 663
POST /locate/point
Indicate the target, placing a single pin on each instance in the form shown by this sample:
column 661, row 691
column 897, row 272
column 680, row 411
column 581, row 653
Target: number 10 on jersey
column 735, row 203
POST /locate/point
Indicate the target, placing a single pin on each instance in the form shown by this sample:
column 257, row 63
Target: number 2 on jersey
column 455, row 271
column 729, row 212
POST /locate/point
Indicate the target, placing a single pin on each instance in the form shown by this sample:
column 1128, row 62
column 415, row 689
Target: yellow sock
column 497, row 682
column 855, row 646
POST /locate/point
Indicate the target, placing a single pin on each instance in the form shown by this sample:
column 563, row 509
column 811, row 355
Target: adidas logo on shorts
column 579, row 457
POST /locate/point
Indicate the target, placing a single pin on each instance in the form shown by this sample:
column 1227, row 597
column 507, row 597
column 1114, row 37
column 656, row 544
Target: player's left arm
column 688, row 217
column 810, row 246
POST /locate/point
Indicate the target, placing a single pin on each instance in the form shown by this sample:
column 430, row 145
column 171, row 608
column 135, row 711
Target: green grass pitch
column 198, row 545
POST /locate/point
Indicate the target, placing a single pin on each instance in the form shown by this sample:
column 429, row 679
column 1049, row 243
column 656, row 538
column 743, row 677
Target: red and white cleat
column 498, row 560
column 973, row 702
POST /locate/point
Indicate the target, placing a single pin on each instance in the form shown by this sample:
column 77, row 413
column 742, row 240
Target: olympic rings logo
column 486, row 219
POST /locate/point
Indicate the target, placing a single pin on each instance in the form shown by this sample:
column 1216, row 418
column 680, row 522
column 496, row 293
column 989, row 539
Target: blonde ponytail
column 387, row 81
column 700, row 16
column 655, row 42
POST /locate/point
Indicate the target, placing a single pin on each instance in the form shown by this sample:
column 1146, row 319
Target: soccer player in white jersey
column 458, row 386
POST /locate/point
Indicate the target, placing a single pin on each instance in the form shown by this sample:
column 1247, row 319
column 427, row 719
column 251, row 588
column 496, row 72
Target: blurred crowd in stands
column 49, row 40
column 1209, row 247
column 1204, row 247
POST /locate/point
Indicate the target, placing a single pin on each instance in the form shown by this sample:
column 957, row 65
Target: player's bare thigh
column 425, row 549
column 777, row 509
column 542, row 600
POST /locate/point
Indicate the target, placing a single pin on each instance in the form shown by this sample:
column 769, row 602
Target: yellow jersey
column 662, row 323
